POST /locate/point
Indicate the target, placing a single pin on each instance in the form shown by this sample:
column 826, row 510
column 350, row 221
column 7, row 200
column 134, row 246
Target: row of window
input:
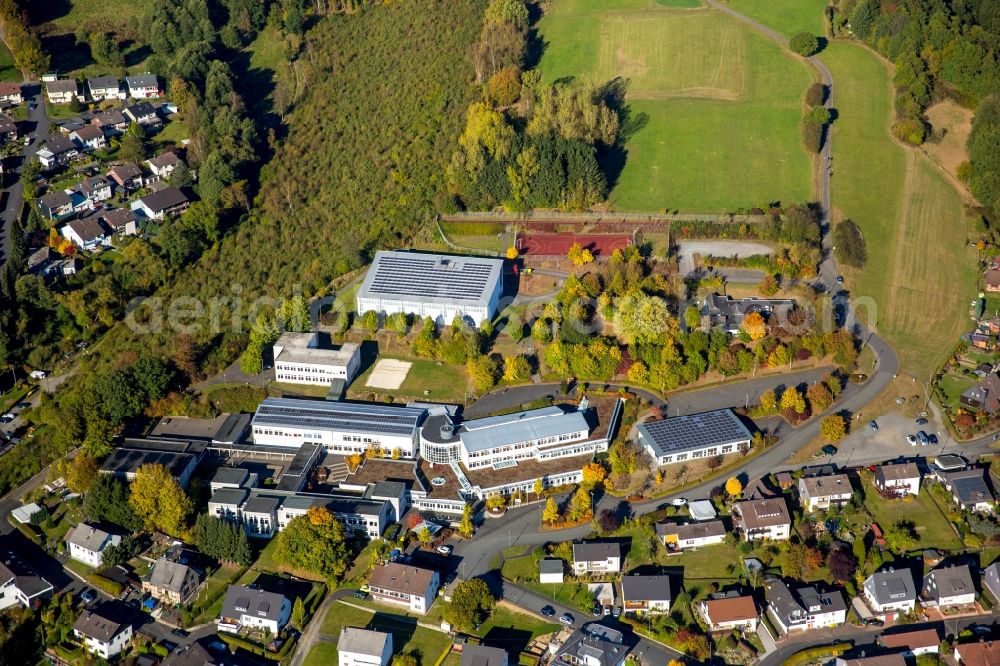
column 310, row 369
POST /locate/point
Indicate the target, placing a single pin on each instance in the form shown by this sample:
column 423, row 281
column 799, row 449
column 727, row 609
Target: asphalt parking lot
column 864, row 445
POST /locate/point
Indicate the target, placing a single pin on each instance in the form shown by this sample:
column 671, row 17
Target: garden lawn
column 786, row 16
column 953, row 386
column 920, row 274
column 209, row 601
column 723, row 103
column 406, row 635
column 932, row 526
column 574, row 595
column 68, row 15
column 443, row 381
column 321, row 654
column 8, row 72
column 504, row 619
column 707, row 562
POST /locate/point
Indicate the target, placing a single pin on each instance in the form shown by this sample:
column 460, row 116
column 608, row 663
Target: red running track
column 557, row 245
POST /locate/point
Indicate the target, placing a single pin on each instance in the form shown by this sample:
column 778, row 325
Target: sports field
column 723, row 103
column 920, row 272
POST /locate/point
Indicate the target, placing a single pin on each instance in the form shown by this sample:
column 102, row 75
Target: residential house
column 142, row 113
column 104, row 87
column 676, row 536
column 991, row 580
column 969, row 489
column 162, row 165
column 482, row 655
column 121, row 221
column 899, row 479
column 550, row 570
column 96, row 189
column 87, row 234
column 805, row 608
column 405, row 585
column 981, row 341
column 88, row 138
column 729, row 612
column 363, row 647
column 103, row 631
column 822, row 492
column 8, row 128
column 728, row 314
column 984, row 653
column 875, row 660
column 912, row 642
column 646, row 594
column 194, row 654
column 763, row 519
column 110, row 121
column 156, row 206
column 984, row 396
column 87, row 543
column 597, row 557
column 10, row 92
column 991, row 280
column 56, row 205
column 891, row 591
column 127, row 176
column 142, row 86
column 19, row 586
column 245, row 608
column 62, row 91
column 58, row 151
column 171, row 582
column 593, row 645
column 948, row 586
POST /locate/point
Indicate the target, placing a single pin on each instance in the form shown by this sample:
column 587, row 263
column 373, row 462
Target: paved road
column 37, row 127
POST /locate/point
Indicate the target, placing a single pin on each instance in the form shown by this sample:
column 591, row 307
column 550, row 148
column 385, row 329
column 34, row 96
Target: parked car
column 617, row 611
column 873, row 425
column 179, row 633
column 7, row 418
column 840, row 279
column 360, row 595
column 982, row 630
column 872, row 622
column 548, row 611
column 932, row 438
column 607, row 610
column 597, row 611
column 921, row 421
column 23, row 405
column 679, row 501
column 829, row 449
column 922, row 438
column 88, row 596
column 911, row 440
column 566, row 618
column 444, row 549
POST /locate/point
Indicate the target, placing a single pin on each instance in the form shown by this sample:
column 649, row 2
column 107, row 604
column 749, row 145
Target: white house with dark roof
column 969, row 489
column 8, row 128
column 597, row 557
column 483, row 655
column 763, row 519
column 804, row 608
column 127, row 176
column 102, row 632
column 683, row 438
column 105, row 87
column 96, row 189
column 822, row 492
column 364, row 647
column 171, row 582
column 405, row 585
column 88, row 138
column 678, row 536
column 142, row 86
column 56, row 205
column 162, row 165
column 948, row 586
column 991, row 580
column 143, row 113
column 110, row 121
column 244, row 608
column 87, row 543
column 121, row 221
column 646, row 594
column 62, row 91
column 551, row 570
column 891, row 591
column 58, row 151
column 593, row 645
column 233, row 477
column 158, row 205
column 21, row 587
column 439, row 286
column 898, row 479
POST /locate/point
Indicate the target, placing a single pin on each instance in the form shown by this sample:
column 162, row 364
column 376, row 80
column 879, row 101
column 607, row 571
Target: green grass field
column 8, row 72
column 406, row 635
column 444, row 382
column 933, row 528
column 720, row 99
column 786, row 16
column 920, row 273
column 68, row 15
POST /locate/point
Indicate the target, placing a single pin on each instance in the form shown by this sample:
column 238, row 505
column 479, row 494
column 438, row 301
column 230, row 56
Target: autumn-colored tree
column 833, row 428
column 316, row 542
column 768, row 402
column 579, row 255
column 593, row 474
column 159, row 500
column 768, row 286
column 580, row 505
column 733, row 487
column 791, row 399
column 539, row 486
column 819, row 397
column 354, row 461
column 754, row 326
column 551, row 513
column 466, row 526
column 638, row 373
column 516, row 369
column 512, row 252
column 79, row 472
column 424, row 535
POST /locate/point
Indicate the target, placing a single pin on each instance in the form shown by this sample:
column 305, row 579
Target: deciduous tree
column 593, row 474
column 159, row 500
column 471, row 602
column 733, row 487
column 315, row 542
column 551, row 513
column 754, row 326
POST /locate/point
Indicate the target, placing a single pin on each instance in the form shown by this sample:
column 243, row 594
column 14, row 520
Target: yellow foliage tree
column 159, row 500
column 754, row 326
column 833, row 428
column 638, row 373
column 551, row 512
column 793, row 400
column 579, row 255
column 733, row 487
column 593, row 473
column 512, row 252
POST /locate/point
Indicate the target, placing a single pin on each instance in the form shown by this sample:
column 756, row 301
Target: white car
column 911, row 440
column 445, row 549
column 679, row 501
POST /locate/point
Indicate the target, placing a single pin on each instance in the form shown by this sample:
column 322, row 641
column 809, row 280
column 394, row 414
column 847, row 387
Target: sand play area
column 388, row 373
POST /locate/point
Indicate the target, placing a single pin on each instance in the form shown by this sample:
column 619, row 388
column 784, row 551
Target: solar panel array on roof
column 696, row 431
column 437, row 277
column 338, row 416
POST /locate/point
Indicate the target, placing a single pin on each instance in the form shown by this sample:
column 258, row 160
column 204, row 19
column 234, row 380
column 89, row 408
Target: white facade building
column 298, row 359
column 891, row 591
column 405, row 585
column 102, row 636
column 256, row 609
column 363, row 647
column 822, row 492
column 439, row 286
column 683, row 438
column 87, row 543
column 539, row 434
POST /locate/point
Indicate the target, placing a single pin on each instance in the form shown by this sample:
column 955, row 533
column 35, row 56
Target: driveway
column 687, row 250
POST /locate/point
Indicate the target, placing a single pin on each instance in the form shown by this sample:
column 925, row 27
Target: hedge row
column 112, row 587
column 235, row 642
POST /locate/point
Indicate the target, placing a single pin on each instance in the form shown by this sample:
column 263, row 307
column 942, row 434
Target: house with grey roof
column 593, row 645
column 991, row 580
column 87, row 543
column 104, row 630
column 439, row 286
column 21, row 586
column 62, row 91
column 551, row 570
column 969, row 489
column 194, row 654
column 142, row 86
column 233, row 477
column 873, row 660
column 681, row 439
column 171, row 582
column 308, row 358
column 891, row 591
column 405, row 585
column 597, row 557
column 898, row 479
column 948, row 586
column 56, row 205
column 245, row 608
column 364, row 647
column 88, row 138
column 804, row 608
column 646, row 594
column 104, row 87
column 167, row 202
column 124, row 462
column 822, row 492
column 482, row 655
column 678, row 536
column 110, row 121
column 58, row 151
column 127, row 176
column 142, row 113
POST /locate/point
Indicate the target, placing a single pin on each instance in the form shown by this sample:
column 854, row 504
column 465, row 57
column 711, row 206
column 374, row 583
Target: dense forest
column 941, row 49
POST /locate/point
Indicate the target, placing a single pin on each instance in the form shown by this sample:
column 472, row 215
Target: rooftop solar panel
column 323, row 415
column 695, row 431
column 431, row 277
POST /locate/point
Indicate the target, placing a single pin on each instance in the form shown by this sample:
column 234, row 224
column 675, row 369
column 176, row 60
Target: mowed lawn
column 932, row 526
column 724, row 104
column 442, row 381
column 8, row 72
column 406, row 635
column 786, row 16
column 68, row 15
column 920, row 273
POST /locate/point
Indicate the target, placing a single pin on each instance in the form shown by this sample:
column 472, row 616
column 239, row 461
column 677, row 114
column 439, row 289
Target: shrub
column 812, row 136
column 851, row 249
column 818, row 115
column 804, row 43
column 816, row 94
column 911, row 131
column 114, row 588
